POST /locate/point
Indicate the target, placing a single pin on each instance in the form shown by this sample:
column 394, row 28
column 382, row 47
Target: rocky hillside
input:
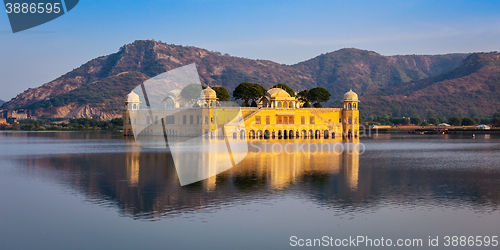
column 471, row 89
column 98, row 87
column 367, row 71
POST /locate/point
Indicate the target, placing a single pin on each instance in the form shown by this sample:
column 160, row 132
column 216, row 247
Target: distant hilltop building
column 13, row 116
column 278, row 115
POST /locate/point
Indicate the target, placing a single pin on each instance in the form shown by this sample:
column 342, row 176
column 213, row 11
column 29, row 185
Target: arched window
column 279, row 105
column 290, row 105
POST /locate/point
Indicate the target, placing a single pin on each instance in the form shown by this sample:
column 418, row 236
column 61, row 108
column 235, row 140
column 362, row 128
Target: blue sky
column 282, row 31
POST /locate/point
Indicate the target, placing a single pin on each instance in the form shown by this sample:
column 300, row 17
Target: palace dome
column 350, row 96
column 133, row 97
column 208, row 93
column 277, row 92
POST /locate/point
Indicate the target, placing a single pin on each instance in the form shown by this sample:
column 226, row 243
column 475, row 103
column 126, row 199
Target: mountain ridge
column 99, row 86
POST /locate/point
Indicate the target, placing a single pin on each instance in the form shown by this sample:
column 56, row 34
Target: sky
column 286, row 32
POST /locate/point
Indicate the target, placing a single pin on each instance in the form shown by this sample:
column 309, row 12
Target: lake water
column 79, row 190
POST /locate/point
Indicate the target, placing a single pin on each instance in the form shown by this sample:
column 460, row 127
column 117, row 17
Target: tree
column 286, row 88
column 455, row 121
column 433, row 120
column 302, row 96
column 117, row 121
column 430, row 113
column 317, row 105
column 416, row 120
column 247, row 91
column 467, row 121
column 400, row 121
column 222, row 94
column 318, row 94
column 191, row 91
column 495, row 120
column 472, row 112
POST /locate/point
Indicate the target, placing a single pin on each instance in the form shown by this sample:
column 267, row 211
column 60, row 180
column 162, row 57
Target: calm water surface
column 71, row 190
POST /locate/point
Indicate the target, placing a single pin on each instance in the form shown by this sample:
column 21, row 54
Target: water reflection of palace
column 143, row 183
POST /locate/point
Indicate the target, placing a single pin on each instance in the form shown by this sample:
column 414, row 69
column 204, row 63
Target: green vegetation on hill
column 416, row 120
column 80, row 124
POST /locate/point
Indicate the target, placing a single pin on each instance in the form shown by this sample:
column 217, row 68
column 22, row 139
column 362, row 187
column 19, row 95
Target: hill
column 472, row 89
column 98, row 87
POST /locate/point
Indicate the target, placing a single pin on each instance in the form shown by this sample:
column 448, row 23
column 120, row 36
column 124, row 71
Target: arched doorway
column 280, row 134
column 317, row 134
column 267, row 134
column 325, row 134
column 259, row 134
column 290, row 134
column 311, row 134
column 251, row 134
column 242, row 134
column 285, row 134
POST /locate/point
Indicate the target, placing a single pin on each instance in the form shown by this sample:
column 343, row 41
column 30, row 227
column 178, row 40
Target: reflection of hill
column 144, row 184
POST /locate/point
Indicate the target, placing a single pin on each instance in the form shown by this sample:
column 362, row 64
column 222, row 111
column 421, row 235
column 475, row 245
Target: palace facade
column 278, row 115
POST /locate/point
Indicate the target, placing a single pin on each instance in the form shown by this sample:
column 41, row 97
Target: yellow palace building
column 277, row 116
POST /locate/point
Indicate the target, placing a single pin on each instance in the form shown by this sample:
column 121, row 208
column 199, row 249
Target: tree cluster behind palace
column 248, row 93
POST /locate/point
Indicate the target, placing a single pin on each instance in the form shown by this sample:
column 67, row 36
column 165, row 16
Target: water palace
column 277, row 115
